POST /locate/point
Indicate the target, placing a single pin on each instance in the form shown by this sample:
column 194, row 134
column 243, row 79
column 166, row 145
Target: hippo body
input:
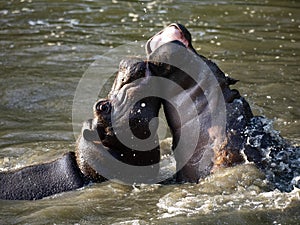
column 38, row 181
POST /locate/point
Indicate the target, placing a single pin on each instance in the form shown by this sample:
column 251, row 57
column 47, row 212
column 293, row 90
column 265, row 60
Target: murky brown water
column 46, row 46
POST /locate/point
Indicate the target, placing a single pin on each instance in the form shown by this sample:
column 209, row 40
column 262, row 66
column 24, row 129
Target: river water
column 46, row 46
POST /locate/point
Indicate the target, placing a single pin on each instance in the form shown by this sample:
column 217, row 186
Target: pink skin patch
column 171, row 33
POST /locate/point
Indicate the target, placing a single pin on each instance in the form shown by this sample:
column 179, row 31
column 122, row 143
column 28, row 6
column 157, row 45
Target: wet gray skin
column 37, row 181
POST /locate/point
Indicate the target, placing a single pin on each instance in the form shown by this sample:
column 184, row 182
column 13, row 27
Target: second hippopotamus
column 212, row 125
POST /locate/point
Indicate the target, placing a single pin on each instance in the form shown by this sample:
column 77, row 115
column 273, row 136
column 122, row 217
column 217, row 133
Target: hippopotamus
column 219, row 142
column 236, row 137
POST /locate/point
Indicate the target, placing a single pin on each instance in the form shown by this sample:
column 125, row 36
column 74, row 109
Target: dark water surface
column 46, row 46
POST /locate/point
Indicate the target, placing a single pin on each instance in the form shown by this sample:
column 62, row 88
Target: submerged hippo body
column 38, row 181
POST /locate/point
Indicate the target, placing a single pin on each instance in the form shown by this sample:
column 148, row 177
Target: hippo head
column 173, row 32
column 123, row 130
column 128, row 113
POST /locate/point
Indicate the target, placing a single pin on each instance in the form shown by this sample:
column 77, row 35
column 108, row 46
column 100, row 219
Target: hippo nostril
column 103, row 106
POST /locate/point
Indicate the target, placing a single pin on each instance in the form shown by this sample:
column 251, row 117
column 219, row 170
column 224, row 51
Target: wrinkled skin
column 124, row 112
column 212, row 150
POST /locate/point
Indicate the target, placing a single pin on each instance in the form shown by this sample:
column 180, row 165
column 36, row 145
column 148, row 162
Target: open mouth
column 173, row 32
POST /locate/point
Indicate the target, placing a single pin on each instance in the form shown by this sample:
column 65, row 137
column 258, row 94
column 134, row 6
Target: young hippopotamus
column 228, row 134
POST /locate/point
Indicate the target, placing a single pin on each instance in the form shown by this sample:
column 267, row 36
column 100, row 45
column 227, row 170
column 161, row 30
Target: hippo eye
column 103, row 107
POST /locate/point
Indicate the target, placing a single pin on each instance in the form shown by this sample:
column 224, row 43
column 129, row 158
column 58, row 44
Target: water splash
column 280, row 160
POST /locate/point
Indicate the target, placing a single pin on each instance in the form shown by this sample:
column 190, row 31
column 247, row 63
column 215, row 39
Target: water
column 46, row 46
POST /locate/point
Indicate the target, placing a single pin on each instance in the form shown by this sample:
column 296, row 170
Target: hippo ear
column 231, row 81
column 90, row 135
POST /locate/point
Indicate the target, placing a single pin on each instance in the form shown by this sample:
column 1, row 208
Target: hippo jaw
column 173, row 32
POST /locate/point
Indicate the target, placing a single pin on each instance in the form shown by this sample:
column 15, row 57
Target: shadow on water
column 47, row 45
